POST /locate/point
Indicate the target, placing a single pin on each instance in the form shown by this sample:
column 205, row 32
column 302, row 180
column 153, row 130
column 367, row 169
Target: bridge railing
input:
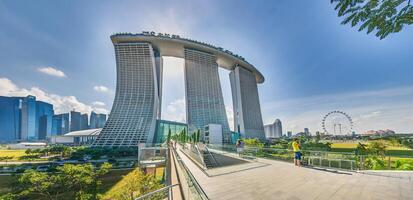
column 339, row 160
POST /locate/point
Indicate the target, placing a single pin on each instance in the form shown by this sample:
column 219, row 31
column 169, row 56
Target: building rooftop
column 173, row 45
column 88, row 132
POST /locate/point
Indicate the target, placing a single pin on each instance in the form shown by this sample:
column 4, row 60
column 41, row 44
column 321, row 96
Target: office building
column 28, row 118
column 24, row 118
column 306, row 131
column 44, row 115
column 97, row 120
column 10, row 117
column 289, row 134
column 84, row 122
column 60, row 124
column 75, row 121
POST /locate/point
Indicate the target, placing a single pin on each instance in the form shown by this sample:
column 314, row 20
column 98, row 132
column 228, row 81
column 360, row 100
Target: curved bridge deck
column 280, row 180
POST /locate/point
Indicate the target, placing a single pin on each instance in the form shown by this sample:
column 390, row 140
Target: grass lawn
column 5, row 184
column 16, row 154
column 344, row 145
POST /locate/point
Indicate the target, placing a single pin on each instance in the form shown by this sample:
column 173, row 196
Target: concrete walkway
column 281, row 180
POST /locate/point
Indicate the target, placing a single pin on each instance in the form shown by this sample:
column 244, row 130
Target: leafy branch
column 382, row 16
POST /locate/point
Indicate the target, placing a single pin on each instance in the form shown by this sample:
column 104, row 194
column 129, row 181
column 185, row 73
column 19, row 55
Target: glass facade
column 246, row 104
column 10, row 118
column 24, row 118
column 204, row 101
column 60, row 124
column 163, row 127
column 75, row 118
column 136, row 106
column 84, row 122
column 28, row 116
column 44, row 115
column 97, row 120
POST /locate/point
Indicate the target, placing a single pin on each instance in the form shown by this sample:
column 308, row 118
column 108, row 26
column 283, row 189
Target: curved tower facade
column 246, row 104
column 204, row 101
column 137, row 104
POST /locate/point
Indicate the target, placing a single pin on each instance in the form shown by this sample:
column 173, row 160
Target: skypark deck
column 281, row 180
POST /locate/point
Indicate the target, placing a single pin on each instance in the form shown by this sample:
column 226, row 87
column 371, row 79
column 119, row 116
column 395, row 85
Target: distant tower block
column 204, row 101
column 246, row 104
column 137, row 103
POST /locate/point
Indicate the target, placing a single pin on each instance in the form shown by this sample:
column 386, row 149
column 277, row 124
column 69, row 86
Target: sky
column 61, row 52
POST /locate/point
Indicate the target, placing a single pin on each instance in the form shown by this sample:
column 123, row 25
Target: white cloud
column 101, row 88
column 98, row 103
column 51, row 71
column 61, row 104
column 175, row 111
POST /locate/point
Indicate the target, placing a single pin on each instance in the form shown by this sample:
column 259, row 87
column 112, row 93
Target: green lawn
column 16, row 154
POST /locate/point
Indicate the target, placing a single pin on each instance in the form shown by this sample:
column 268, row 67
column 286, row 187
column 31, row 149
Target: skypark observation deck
column 174, row 45
column 138, row 98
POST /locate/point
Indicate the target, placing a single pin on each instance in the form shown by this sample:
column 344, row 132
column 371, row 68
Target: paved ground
column 280, row 180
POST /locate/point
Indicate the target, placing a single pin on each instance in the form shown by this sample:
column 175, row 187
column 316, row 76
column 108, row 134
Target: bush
column 374, row 163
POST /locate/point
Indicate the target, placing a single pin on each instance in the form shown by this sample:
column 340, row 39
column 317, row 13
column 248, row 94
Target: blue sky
column 61, row 52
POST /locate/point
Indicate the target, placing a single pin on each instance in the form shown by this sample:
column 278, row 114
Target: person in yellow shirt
column 297, row 152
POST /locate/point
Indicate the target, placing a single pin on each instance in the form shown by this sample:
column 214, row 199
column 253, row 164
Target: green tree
column 382, row 16
column 378, row 148
column 133, row 185
column 33, row 183
column 253, row 142
column 168, row 138
column 198, row 135
column 81, row 181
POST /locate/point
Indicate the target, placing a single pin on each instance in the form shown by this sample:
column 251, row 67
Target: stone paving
column 281, row 180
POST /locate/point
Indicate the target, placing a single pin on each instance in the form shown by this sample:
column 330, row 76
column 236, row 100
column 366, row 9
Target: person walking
column 297, row 152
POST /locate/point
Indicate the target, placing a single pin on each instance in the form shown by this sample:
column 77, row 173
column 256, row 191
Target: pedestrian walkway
column 281, row 180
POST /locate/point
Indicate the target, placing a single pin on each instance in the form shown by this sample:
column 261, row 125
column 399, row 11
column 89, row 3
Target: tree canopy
column 381, row 16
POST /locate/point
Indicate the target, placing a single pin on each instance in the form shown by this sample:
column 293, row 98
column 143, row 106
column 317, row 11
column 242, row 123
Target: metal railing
column 162, row 193
column 346, row 161
column 190, row 187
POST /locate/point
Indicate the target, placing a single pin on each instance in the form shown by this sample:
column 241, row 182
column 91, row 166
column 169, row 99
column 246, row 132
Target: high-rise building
column 97, row 120
column 306, row 131
column 289, row 134
column 139, row 88
column 10, row 118
column 44, row 115
column 84, row 122
column 75, row 120
column 246, row 104
column 28, row 118
column 204, row 101
column 60, row 124
column 137, row 100
column 273, row 130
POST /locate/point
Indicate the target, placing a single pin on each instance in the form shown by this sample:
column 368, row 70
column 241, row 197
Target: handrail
column 212, row 156
column 199, row 189
column 156, row 191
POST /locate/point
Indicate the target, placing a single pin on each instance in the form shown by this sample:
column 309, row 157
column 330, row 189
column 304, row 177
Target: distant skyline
column 61, row 53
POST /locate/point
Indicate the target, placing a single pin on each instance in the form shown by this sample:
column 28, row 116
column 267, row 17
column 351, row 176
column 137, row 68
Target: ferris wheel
column 337, row 123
